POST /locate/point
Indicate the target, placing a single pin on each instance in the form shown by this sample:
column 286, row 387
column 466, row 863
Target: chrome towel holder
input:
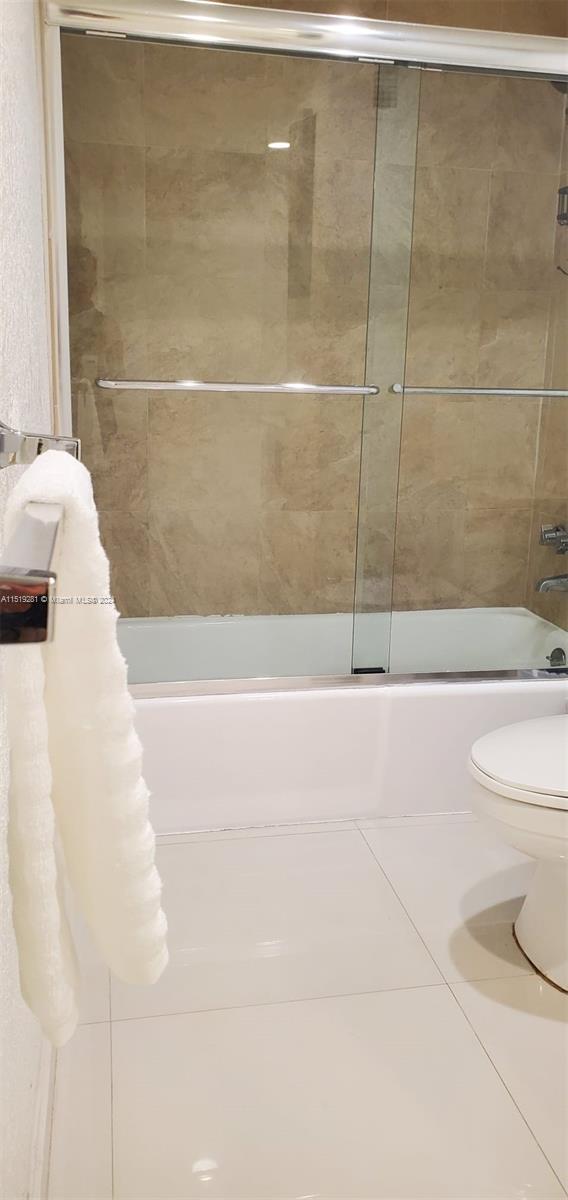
column 27, row 580
column 19, row 448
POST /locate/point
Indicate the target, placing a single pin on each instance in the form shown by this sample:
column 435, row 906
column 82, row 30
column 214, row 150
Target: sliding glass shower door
column 483, row 463
column 220, row 211
column 318, row 313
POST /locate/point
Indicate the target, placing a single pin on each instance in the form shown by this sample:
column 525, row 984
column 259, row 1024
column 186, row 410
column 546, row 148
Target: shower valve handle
column 555, row 536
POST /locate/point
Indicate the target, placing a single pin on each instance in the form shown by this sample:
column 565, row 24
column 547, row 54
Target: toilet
column 520, row 782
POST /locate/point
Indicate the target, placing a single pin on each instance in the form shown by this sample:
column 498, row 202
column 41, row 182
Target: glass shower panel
column 480, row 473
column 395, row 165
column 219, row 209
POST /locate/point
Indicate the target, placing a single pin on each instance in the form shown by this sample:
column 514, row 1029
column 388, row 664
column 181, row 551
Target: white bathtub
column 469, row 639
column 327, row 753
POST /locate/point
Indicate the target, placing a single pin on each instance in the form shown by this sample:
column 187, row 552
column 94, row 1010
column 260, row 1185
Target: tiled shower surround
column 194, row 250
column 542, row 17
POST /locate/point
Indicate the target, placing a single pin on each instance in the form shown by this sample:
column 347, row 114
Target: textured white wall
column 24, row 401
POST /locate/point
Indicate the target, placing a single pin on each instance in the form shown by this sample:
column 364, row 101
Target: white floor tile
column 81, row 1156
column 261, row 920
column 523, row 1023
column 377, row 1096
column 463, row 887
column 94, row 996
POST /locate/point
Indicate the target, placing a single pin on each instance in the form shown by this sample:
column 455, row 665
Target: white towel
column 76, row 782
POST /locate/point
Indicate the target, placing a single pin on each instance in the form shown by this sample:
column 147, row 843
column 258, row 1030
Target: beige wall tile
column 522, row 226
column 186, row 342
column 375, row 9
column 552, row 469
column 203, row 561
column 342, row 96
column 307, row 561
column 205, row 213
column 543, row 17
column 102, row 90
column 504, row 448
column 450, row 224
column 110, row 192
column 106, row 254
column 125, row 538
column 311, row 453
column 530, row 118
column 471, row 14
column 339, row 191
column 326, row 344
column 513, row 338
column 443, row 337
column 457, row 126
column 205, row 99
column 436, row 451
column 496, row 556
column 114, row 441
column 204, row 452
column 429, row 557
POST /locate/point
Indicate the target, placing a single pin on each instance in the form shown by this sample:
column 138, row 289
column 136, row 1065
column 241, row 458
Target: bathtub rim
column 308, row 683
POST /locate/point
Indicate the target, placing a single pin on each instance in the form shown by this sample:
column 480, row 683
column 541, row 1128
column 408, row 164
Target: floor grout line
column 462, row 1010
column 196, row 1012
column 294, row 829
column 51, row 1125
column 505, row 1085
column 402, row 904
column 112, row 1188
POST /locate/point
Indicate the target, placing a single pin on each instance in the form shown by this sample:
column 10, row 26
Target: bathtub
column 283, row 753
column 468, row 639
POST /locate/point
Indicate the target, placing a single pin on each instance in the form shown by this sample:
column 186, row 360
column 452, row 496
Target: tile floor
column 345, row 1015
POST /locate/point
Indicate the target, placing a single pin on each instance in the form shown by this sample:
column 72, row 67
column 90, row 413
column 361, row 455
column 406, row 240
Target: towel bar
column 17, row 447
column 27, row 581
column 198, row 385
column 399, row 389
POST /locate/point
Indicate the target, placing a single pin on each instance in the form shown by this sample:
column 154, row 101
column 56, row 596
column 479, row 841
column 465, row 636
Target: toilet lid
column 531, row 757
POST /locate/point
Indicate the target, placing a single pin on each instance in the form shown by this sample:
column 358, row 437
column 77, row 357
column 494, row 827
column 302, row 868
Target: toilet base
column 541, row 927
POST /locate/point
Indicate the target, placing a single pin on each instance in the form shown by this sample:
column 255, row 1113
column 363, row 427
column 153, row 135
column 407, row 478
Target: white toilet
column 520, row 777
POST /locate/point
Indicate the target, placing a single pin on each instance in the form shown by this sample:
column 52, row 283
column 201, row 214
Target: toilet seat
column 526, row 762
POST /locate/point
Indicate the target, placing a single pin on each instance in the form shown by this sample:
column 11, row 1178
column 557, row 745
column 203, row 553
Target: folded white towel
column 76, row 773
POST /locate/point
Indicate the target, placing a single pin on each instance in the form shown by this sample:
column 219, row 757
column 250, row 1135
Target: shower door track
column 226, row 26
column 305, row 683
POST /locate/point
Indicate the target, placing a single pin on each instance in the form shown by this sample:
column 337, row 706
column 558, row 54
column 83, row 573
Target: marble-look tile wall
column 195, row 251
column 542, row 17
column 483, row 282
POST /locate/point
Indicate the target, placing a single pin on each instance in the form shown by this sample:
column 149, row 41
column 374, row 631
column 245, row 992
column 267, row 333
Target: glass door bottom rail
column 168, row 649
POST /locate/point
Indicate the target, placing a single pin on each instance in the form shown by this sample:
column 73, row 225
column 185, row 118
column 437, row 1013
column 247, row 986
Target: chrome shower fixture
column 563, row 206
